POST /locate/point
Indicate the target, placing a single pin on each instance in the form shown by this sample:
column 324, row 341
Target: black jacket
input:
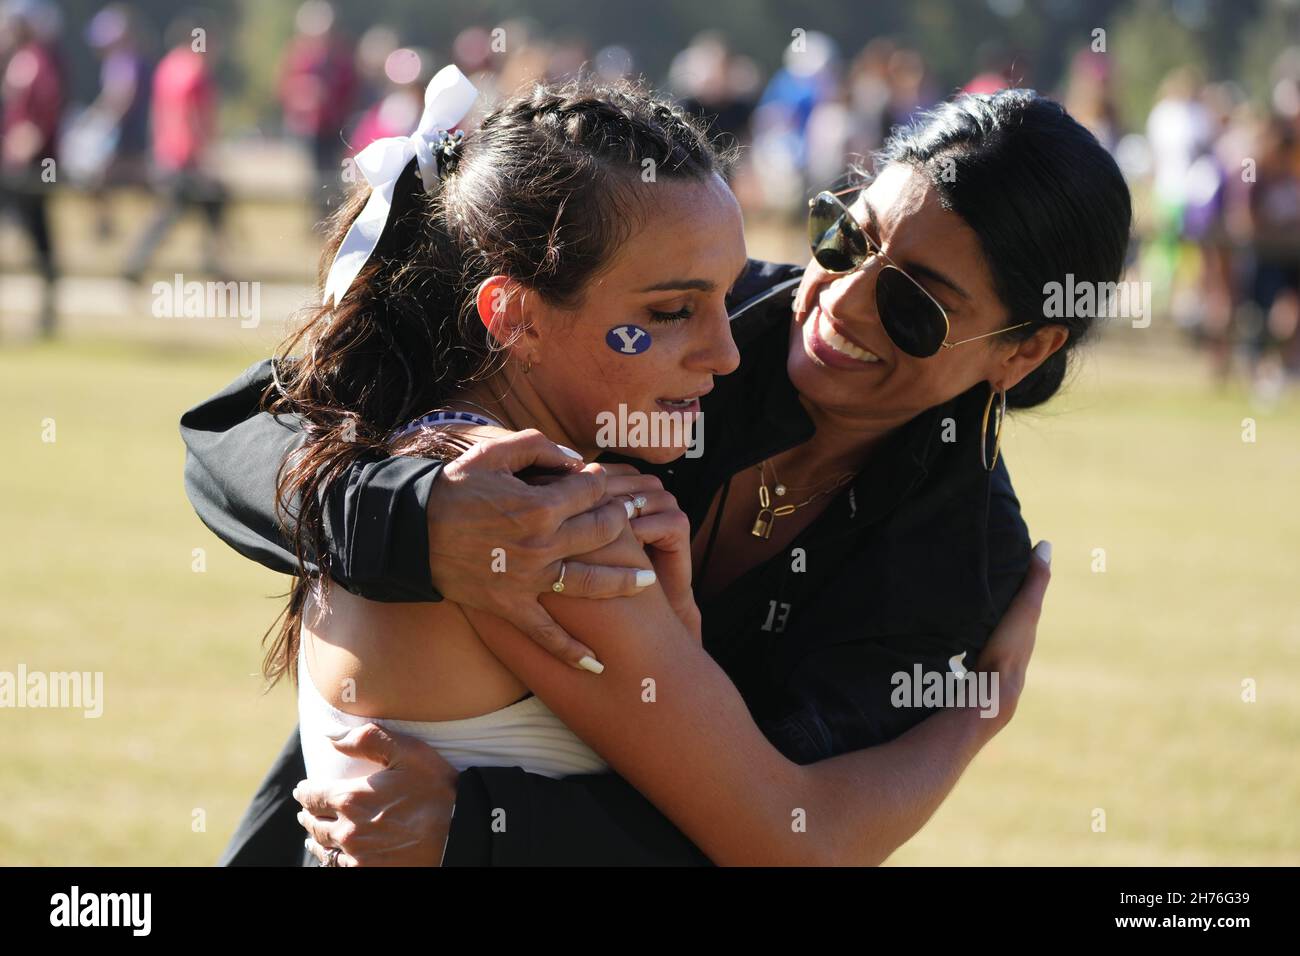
column 913, row 562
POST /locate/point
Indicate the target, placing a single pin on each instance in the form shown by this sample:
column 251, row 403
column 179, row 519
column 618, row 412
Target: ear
column 500, row 308
column 1029, row 354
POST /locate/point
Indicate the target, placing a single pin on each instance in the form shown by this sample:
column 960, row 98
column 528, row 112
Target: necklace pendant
column 762, row 525
column 779, row 489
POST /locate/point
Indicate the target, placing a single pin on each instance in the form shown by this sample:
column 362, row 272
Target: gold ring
column 558, row 586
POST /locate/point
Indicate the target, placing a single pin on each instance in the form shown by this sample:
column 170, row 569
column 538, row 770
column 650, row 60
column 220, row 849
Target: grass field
column 1134, row 703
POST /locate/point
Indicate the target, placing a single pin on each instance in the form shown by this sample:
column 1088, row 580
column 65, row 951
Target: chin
column 654, row 456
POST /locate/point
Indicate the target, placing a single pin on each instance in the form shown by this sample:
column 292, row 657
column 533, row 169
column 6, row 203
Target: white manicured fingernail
column 569, row 451
column 590, row 663
column 645, row 578
column 1044, row 551
column 630, row 507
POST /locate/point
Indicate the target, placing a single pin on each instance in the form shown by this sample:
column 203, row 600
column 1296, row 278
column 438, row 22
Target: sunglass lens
column 837, row 243
column 911, row 318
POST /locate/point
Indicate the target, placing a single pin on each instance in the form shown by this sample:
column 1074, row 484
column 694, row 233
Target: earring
column 528, row 366
column 1001, row 394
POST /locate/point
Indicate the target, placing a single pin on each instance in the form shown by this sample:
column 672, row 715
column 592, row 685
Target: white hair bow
column 447, row 99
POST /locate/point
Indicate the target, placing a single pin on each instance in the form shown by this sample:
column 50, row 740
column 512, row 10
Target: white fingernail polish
column 645, row 578
column 569, row 451
column 1044, row 552
column 590, row 663
column 630, row 507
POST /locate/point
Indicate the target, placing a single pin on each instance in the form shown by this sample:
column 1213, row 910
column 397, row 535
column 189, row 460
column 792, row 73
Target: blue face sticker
column 628, row 339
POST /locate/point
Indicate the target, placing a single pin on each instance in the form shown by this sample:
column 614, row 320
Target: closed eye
column 678, row 316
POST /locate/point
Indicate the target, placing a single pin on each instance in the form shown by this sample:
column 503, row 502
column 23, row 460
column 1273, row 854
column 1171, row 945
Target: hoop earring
column 997, row 434
column 528, row 366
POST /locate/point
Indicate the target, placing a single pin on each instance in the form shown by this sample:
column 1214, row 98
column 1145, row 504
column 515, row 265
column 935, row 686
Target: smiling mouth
column 827, row 334
column 691, row 404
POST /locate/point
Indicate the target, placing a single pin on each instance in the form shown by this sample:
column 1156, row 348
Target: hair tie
column 447, row 99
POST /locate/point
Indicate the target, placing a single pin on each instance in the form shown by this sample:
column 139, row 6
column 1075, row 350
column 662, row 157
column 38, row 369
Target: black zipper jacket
column 912, row 563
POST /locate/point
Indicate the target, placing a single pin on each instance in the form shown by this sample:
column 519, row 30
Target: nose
column 718, row 354
column 851, row 298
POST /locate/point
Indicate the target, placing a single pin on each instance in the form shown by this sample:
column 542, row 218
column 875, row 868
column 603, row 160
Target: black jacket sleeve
column 507, row 817
column 375, row 515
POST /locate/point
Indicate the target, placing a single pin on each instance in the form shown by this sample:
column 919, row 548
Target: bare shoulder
column 417, row 661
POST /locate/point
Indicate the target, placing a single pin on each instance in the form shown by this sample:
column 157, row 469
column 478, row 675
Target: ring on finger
column 638, row 503
column 558, row 586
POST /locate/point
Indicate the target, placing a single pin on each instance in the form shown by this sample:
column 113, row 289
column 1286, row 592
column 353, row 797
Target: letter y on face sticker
column 628, row 339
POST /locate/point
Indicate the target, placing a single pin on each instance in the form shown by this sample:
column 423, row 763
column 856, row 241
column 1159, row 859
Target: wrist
column 993, row 720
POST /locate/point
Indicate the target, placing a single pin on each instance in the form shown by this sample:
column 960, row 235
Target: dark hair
column 1041, row 193
column 543, row 191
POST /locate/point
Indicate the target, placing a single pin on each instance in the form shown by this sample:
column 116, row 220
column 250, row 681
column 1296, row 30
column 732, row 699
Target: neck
column 510, row 398
column 839, row 445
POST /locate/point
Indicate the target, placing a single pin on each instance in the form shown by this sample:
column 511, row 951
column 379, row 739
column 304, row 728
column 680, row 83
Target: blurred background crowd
column 262, row 103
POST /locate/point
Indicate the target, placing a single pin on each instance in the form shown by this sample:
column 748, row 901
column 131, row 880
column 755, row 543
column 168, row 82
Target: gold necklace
column 767, row 515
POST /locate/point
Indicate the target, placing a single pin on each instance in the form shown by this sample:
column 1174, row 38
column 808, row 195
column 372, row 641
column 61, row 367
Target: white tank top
column 525, row 734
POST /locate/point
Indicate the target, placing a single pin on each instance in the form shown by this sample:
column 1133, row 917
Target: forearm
column 666, row 718
column 868, row 803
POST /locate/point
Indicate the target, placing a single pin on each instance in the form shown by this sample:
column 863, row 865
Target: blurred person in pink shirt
column 318, row 84
column 32, row 92
column 183, row 118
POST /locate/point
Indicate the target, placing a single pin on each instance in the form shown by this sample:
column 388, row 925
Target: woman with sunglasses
column 851, row 518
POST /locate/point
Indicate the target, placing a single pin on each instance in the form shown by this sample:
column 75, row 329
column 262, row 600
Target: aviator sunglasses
column 912, row 318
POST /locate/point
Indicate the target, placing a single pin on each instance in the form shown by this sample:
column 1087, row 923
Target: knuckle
column 596, row 480
column 586, row 579
column 533, row 515
column 345, row 803
column 527, row 556
column 539, row 558
column 547, row 635
column 610, row 520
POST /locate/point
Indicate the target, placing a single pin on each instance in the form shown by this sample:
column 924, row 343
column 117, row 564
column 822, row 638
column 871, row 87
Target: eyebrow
column 915, row 269
column 697, row 285
column 672, row 285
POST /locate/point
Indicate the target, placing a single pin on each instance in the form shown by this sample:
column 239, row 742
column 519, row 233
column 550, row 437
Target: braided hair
column 543, row 191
